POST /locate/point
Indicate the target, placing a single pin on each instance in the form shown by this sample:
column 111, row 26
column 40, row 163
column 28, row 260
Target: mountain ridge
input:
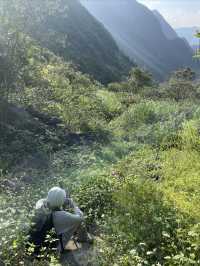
column 167, row 29
column 140, row 36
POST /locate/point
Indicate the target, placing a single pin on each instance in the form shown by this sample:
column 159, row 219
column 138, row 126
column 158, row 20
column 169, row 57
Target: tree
column 186, row 74
column 139, row 79
column 180, row 85
column 18, row 19
column 13, row 60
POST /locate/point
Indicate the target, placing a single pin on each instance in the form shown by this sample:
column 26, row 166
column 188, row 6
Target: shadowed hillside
column 73, row 33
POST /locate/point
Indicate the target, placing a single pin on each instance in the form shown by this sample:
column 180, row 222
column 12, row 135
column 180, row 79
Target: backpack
column 41, row 225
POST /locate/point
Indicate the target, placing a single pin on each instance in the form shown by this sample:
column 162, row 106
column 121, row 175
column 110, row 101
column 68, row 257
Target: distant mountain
column 188, row 34
column 143, row 35
column 73, row 33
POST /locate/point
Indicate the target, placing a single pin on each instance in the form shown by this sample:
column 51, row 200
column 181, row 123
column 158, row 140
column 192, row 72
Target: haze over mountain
column 188, row 34
column 143, row 35
column 73, row 33
column 169, row 32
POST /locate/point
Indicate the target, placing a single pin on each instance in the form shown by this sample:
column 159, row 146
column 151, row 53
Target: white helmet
column 56, row 197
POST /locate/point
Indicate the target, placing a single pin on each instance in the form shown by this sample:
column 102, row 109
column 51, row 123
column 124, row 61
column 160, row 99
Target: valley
column 103, row 98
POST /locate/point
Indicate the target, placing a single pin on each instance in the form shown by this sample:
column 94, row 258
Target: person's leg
column 61, row 244
column 67, row 236
column 83, row 235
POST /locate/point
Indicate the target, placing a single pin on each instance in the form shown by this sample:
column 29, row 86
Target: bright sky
column 179, row 13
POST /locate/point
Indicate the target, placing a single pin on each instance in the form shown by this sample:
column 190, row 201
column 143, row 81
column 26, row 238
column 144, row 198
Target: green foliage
column 186, row 74
column 157, row 223
column 136, row 81
column 129, row 153
column 139, row 79
column 197, row 55
column 68, row 30
column 53, row 88
column 95, row 197
column 112, row 107
column 13, row 61
column 190, row 135
column 180, row 85
column 143, row 113
column 180, row 90
column 141, row 206
column 67, row 95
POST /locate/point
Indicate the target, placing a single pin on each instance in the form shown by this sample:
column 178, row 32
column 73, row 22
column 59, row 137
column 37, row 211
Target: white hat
column 56, row 197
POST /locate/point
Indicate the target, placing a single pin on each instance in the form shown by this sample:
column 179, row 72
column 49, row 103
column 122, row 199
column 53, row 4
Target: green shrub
column 190, row 137
column 95, row 197
column 148, row 228
column 110, row 104
column 179, row 90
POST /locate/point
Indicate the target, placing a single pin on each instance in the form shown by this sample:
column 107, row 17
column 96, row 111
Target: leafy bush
column 190, row 136
column 112, row 107
column 148, row 227
column 142, row 220
column 95, row 197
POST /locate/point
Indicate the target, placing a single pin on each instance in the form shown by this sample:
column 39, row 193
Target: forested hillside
column 139, row 33
column 128, row 152
column 70, row 31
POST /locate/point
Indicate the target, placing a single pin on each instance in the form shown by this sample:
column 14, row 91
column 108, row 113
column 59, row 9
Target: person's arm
column 69, row 203
column 76, row 209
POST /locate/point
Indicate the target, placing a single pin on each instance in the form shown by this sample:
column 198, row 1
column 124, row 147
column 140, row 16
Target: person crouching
column 66, row 224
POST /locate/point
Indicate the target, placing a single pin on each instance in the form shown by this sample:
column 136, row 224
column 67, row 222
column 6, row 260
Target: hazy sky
column 179, row 13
